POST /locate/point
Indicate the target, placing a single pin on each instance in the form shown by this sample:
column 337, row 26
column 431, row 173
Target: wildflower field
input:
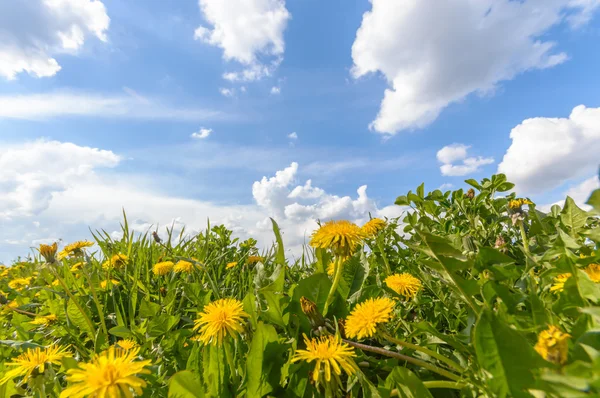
column 468, row 294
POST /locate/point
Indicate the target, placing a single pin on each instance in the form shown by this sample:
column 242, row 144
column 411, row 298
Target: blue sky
column 130, row 82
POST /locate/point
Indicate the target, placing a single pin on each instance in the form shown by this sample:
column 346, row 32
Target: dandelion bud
column 49, row 252
column 156, row 237
column 471, row 193
column 312, row 313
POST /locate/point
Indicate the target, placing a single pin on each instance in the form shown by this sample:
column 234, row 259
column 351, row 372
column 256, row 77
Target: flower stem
column 524, row 237
column 336, row 282
column 408, row 359
column 444, row 384
column 424, row 350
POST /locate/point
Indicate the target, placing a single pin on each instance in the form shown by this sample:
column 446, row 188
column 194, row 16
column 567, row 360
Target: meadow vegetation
column 468, row 294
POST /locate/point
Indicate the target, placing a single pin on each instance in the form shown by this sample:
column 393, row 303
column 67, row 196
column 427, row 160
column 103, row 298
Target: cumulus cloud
column 249, row 32
column 292, row 136
column 202, row 133
column 547, row 152
column 432, row 59
column 580, row 193
column 450, row 154
column 69, row 104
column 33, row 32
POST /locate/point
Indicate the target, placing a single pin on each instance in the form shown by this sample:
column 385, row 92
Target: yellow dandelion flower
column 254, row 259
column 113, row 282
column 516, row 204
column 74, row 249
column 163, row 268
column 342, row 237
column 44, row 320
column 4, row 273
column 55, row 282
column 117, row 261
column 32, row 359
column 331, row 269
column 373, row 227
column 366, row 316
column 220, row 318
column 183, row 266
column 559, row 282
column 231, row 265
column 197, row 338
column 112, row 373
column 553, row 345
column 77, row 266
column 404, row 284
column 593, row 271
column 49, row 252
column 127, row 344
column 19, row 283
column 330, row 354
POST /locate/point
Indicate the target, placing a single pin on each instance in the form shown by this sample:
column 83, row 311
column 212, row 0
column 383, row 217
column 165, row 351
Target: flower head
column 553, row 345
column 331, row 268
column 49, row 252
column 117, row 261
column 77, row 266
column 44, row 320
column 231, row 265
column 74, row 249
column 183, row 266
column 163, row 268
column 366, row 316
column 342, row 237
column 516, row 204
column 104, row 284
column 112, row 373
column 32, row 359
column 330, row 354
column 127, row 344
column 373, row 227
column 559, row 282
column 19, row 283
column 312, row 312
column 593, row 271
column 218, row 319
column 404, row 284
column 254, row 259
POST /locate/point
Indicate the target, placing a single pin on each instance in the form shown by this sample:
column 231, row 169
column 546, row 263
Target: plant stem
column 408, row 359
column 444, row 384
column 524, row 237
column 230, row 362
column 336, row 282
column 424, row 350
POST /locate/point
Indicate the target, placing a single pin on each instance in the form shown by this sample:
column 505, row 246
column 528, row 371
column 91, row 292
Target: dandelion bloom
column 330, row 354
column 77, row 266
column 559, row 282
column 109, row 374
column 19, row 283
column 183, row 266
column 593, row 271
column 219, row 318
column 254, row 259
column 74, row 249
column 117, row 261
column 104, row 284
column 127, row 344
column 32, row 359
column 404, row 284
column 331, row 269
column 516, row 204
column 48, row 251
column 373, row 227
column 553, row 345
column 366, row 316
column 44, row 320
column 163, row 268
column 342, row 237
column 231, row 264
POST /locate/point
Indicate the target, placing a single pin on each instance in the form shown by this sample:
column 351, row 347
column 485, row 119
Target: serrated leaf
column 185, row 384
column 264, row 362
column 572, row 216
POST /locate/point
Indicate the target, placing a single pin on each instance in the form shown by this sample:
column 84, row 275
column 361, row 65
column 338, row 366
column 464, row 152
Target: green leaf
column 277, row 304
column 264, row 362
column 594, row 200
column 407, row 384
column 280, row 256
column 421, row 190
column 148, row 309
column 185, row 384
column 26, row 345
column 572, row 216
column 354, row 275
column 77, row 318
column 315, row 288
column 216, row 371
column 402, row 201
column 120, row 331
column 473, row 183
column 161, row 324
column 506, row 355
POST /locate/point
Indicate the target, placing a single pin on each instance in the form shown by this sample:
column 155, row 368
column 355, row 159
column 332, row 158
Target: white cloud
column 227, row 92
column 32, row 32
column 580, row 193
column 547, row 152
column 293, row 136
column 450, row 154
column 434, row 58
column 275, row 90
column 248, row 31
column 62, row 104
column 203, row 133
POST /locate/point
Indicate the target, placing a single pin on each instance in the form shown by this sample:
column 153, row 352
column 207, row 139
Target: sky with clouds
column 242, row 110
